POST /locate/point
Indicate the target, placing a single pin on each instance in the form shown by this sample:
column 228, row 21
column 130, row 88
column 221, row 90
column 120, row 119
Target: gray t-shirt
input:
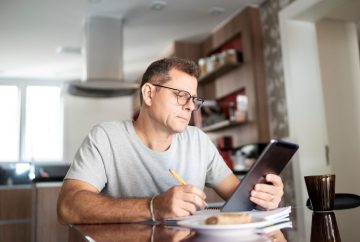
column 114, row 160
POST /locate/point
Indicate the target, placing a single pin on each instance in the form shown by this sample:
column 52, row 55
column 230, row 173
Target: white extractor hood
column 103, row 60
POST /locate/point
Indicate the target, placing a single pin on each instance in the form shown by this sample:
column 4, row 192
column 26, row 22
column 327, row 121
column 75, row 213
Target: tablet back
column 272, row 160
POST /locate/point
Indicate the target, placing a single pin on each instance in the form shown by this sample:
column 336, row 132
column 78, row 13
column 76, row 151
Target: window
column 31, row 126
column 9, row 123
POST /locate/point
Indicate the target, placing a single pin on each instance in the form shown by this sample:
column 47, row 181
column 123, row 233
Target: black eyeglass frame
column 200, row 101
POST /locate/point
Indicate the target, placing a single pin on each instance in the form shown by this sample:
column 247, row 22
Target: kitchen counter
column 17, row 186
column 17, row 174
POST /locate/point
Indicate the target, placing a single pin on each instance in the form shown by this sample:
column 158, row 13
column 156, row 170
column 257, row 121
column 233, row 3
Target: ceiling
column 32, row 30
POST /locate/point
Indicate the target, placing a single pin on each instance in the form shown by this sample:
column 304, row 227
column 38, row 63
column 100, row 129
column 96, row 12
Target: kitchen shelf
column 221, row 125
column 242, row 33
column 211, row 76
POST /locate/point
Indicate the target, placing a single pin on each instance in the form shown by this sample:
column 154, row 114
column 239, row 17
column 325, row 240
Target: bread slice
column 229, row 218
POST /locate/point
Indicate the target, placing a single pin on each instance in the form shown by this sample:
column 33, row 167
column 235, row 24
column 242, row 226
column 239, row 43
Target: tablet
column 272, row 160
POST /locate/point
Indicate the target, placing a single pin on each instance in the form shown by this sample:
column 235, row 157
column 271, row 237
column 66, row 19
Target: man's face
column 165, row 108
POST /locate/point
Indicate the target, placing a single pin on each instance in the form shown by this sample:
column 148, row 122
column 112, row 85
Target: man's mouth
column 185, row 119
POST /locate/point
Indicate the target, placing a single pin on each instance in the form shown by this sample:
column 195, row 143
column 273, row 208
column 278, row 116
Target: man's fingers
column 190, row 194
column 194, row 190
column 268, row 196
column 190, row 208
column 195, row 200
column 264, row 203
column 265, row 188
column 261, row 203
column 274, row 179
column 262, row 195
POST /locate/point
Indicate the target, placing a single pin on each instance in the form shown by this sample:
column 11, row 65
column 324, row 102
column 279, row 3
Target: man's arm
column 226, row 188
column 80, row 202
column 267, row 196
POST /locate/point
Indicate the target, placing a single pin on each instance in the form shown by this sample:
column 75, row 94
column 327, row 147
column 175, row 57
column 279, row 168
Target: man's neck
column 152, row 135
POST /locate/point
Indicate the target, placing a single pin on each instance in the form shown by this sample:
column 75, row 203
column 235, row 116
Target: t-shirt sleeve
column 217, row 170
column 88, row 164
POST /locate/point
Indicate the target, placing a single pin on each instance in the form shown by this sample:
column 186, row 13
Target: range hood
column 102, row 53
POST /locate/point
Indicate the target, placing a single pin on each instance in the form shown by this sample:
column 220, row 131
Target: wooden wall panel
column 187, row 50
column 47, row 226
column 15, row 214
column 15, row 232
column 15, row 203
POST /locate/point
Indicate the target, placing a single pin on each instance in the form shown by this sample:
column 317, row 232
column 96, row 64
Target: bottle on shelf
column 202, row 66
column 241, row 108
column 232, row 116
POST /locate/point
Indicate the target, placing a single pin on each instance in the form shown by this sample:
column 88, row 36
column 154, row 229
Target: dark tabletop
column 340, row 225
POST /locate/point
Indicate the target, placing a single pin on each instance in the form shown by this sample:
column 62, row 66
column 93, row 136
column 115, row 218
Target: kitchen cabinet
column 15, row 213
column 28, row 213
column 45, row 224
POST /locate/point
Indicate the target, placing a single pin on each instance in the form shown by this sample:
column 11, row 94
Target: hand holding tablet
column 271, row 161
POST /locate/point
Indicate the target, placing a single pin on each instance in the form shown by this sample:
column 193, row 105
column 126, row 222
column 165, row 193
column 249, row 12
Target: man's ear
column 147, row 91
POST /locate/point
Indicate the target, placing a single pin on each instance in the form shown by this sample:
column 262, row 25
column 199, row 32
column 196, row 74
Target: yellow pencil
column 176, row 176
column 182, row 182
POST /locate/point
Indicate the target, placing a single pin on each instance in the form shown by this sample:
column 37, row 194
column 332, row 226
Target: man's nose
column 190, row 105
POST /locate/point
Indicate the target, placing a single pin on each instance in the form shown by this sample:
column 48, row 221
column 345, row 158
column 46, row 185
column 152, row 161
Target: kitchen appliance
column 103, row 59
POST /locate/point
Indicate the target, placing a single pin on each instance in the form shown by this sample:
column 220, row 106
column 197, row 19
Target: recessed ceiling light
column 94, row 1
column 216, row 11
column 68, row 50
column 158, row 5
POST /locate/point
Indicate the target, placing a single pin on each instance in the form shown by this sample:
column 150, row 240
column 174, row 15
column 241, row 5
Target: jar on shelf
column 202, row 66
column 209, row 65
column 242, row 108
column 231, row 56
column 222, row 58
column 215, row 61
column 242, row 103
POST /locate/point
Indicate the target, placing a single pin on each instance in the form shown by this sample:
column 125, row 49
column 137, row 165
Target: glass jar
column 202, row 66
column 215, row 61
column 231, row 56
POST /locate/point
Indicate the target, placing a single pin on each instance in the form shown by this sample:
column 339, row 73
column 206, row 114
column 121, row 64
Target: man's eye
column 183, row 95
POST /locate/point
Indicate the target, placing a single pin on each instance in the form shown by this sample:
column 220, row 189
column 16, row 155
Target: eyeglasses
column 183, row 97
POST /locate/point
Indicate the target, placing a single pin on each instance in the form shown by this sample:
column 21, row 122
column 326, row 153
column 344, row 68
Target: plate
column 200, row 227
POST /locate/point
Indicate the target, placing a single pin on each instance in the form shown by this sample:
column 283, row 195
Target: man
column 120, row 173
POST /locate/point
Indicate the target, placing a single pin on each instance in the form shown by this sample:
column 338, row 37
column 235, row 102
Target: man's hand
column 178, row 201
column 268, row 196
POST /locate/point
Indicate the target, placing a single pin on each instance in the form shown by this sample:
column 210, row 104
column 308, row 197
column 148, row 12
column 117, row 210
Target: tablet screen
column 272, row 160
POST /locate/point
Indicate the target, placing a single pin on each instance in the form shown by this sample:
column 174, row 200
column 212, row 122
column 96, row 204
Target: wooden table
column 319, row 227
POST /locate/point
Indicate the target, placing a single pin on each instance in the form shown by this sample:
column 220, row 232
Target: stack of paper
column 275, row 214
column 278, row 218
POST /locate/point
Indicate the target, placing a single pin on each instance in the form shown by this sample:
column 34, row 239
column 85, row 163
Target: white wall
column 321, row 65
column 305, row 108
column 81, row 114
column 340, row 71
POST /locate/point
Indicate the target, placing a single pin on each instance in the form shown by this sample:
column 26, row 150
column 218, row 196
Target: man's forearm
column 89, row 207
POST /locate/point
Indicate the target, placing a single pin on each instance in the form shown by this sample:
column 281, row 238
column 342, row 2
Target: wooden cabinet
column 46, row 226
column 15, row 213
column 28, row 213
